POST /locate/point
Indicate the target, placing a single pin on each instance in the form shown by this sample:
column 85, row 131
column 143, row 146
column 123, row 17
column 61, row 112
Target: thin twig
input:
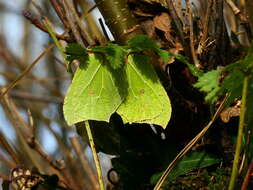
column 91, row 25
column 9, row 149
column 203, row 40
column 189, row 13
column 189, row 146
column 38, row 7
column 247, row 177
column 176, row 20
column 237, row 11
column 33, row 97
column 95, row 156
column 31, row 123
column 4, row 177
column 11, row 58
column 85, row 164
column 21, row 128
column 74, row 21
column 37, row 147
column 91, row 9
column 234, row 8
column 27, row 70
column 26, row 140
column 7, row 162
column 40, row 26
column 58, row 7
column 52, row 34
column 42, row 80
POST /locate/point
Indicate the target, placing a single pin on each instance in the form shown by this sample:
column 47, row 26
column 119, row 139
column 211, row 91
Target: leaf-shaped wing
column 146, row 101
column 95, row 92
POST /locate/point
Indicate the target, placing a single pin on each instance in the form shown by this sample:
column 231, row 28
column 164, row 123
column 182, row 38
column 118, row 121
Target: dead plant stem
column 247, row 177
column 193, row 52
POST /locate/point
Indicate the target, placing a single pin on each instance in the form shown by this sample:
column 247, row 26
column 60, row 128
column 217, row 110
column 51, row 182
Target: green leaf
column 165, row 55
column 193, row 69
column 113, row 53
column 142, row 43
column 232, row 83
column 95, row 93
column 76, row 51
column 147, row 101
column 190, row 162
column 209, row 82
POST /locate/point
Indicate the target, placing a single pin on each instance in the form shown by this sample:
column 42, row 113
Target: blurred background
column 33, row 132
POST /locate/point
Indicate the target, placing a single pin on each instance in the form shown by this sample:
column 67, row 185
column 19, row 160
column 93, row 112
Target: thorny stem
column 240, row 134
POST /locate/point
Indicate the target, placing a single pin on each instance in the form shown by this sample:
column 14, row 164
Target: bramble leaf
column 143, row 43
column 193, row 69
column 232, row 83
column 209, row 83
column 113, row 53
column 76, row 51
column 165, row 55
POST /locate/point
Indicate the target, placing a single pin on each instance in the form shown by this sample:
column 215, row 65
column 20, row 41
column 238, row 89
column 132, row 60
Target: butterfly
column 24, row 179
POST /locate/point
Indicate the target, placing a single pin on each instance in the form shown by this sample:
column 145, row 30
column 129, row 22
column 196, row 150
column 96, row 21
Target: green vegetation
column 169, row 96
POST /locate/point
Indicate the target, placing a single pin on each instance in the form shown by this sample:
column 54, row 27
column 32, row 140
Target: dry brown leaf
column 230, row 112
column 163, row 22
column 148, row 27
